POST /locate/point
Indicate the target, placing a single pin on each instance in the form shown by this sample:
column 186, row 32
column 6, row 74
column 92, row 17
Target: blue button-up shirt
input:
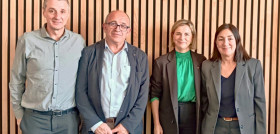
column 44, row 71
column 114, row 81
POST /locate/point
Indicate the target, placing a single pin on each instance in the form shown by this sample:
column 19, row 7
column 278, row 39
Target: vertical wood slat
column 157, row 29
column 68, row 24
column 213, row 22
column 105, row 11
column 98, row 21
column 234, row 12
column 4, row 59
column 28, row 16
column 227, row 11
column 199, row 27
column 186, row 9
column 193, row 11
column 206, row 39
column 254, row 29
column 273, row 57
column 165, row 35
column 221, row 12
column 12, row 45
column 135, row 23
column 257, row 21
column 75, row 19
column 179, row 10
column 90, row 22
column 247, row 27
column 121, row 5
column 128, row 12
column 83, row 18
column 261, row 32
column 171, row 21
column 20, row 17
column 278, row 84
column 143, row 9
column 241, row 18
column 113, row 5
column 267, row 61
column 36, row 18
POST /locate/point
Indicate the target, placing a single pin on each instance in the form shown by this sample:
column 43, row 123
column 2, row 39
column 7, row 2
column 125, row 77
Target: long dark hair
column 240, row 52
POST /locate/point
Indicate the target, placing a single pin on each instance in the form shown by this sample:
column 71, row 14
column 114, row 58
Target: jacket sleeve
column 18, row 78
column 83, row 103
column 135, row 115
column 156, row 82
column 259, row 100
column 204, row 98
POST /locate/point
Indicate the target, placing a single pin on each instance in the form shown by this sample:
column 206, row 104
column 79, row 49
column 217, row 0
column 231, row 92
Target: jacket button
column 172, row 121
column 241, row 126
column 237, row 109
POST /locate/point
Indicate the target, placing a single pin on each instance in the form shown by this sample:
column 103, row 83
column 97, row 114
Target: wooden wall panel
column 151, row 21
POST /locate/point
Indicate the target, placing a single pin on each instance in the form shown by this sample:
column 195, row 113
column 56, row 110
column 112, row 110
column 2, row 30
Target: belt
column 54, row 112
column 230, row 118
column 111, row 122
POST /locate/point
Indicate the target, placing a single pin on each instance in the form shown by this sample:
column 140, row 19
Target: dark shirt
column 227, row 104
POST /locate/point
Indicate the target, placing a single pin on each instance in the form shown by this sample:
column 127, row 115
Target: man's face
column 116, row 27
column 56, row 14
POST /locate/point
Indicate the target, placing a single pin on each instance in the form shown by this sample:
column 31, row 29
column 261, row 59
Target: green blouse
column 185, row 77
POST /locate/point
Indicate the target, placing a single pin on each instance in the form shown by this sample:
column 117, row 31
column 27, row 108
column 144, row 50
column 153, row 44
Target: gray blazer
column 88, row 97
column 249, row 96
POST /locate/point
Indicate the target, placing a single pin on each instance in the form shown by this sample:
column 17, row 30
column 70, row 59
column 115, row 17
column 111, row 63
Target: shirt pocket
column 125, row 73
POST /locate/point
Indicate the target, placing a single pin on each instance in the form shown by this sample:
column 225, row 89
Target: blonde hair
column 184, row 22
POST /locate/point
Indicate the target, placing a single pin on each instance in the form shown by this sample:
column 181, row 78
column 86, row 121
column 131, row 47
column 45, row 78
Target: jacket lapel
column 131, row 54
column 172, row 79
column 99, row 57
column 240, row 69
column 216, row 76
column 99, row 62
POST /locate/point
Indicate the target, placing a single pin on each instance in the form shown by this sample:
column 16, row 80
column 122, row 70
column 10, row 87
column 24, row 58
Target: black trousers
column 187, row 117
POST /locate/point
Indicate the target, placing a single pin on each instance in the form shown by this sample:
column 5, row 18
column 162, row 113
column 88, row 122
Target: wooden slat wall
column 257, row 20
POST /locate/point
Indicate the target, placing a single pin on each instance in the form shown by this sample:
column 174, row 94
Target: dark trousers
column 227, row 127
column 187, row 118
column 36, row 123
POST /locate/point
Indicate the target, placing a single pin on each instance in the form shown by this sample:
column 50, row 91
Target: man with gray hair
column 44, row 73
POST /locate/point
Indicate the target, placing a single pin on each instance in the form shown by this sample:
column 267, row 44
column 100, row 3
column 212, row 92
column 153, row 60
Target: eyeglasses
column 113, row 24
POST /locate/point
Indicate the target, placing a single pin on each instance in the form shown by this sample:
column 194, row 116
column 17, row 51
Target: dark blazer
column 164, row 86
column 249, row 96
column 88, row 97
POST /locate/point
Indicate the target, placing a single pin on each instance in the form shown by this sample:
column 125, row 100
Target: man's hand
column 18, row 121
column 103, row 129
column 120, row 129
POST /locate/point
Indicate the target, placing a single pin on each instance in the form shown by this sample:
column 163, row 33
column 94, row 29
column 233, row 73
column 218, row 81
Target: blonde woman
column 175, row 84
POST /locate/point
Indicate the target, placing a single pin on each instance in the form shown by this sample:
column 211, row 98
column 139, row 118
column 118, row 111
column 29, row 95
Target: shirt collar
column 124, row 47
column 184, row 55
column 45, row 34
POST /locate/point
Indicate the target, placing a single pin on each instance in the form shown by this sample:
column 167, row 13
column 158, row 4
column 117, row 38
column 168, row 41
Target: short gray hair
column 46, row 1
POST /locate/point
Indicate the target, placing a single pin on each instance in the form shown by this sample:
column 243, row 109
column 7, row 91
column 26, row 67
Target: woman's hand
column 158, row 129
